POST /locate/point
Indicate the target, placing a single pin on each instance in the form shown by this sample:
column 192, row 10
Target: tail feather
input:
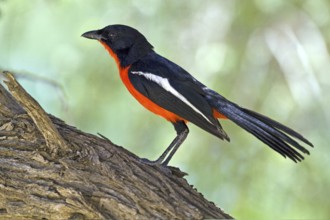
column 278, row 125
column 277, row 136
column 272, row 140
column 276, row 132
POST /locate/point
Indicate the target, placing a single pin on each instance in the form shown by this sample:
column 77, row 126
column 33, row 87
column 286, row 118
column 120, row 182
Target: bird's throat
column 110, row 51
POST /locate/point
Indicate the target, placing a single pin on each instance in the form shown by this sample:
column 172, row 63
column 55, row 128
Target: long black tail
column 274, row 134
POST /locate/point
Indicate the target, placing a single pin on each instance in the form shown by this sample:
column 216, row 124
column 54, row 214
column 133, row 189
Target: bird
column 169, row 91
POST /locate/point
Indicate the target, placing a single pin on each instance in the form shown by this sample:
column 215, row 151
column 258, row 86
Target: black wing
column 154, row 79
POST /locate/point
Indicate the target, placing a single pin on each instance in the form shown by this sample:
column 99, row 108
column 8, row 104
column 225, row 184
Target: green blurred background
column 270, row 56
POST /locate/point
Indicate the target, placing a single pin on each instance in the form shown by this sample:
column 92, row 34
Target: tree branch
column 54, row 140
column 51, row 170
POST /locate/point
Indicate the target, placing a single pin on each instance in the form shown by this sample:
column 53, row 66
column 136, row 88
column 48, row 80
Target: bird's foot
column 151, row 162
column 164, row 167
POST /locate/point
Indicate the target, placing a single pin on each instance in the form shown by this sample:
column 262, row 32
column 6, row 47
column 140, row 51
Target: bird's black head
column 126, row 43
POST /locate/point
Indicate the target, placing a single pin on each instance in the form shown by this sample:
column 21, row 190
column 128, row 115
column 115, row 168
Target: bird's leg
column 182, row 132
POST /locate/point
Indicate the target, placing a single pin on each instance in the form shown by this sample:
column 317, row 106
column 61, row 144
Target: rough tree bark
column 50, row 170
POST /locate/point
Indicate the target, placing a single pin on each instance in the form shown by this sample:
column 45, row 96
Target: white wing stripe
column 165, row 84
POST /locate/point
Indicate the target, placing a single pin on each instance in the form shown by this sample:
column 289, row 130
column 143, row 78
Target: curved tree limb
column 51, row 170
column 54, row 140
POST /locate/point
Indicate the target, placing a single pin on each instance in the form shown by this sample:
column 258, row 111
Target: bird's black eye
column 111, row 35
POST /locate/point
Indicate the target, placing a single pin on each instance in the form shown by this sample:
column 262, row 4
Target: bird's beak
column 92, row 35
